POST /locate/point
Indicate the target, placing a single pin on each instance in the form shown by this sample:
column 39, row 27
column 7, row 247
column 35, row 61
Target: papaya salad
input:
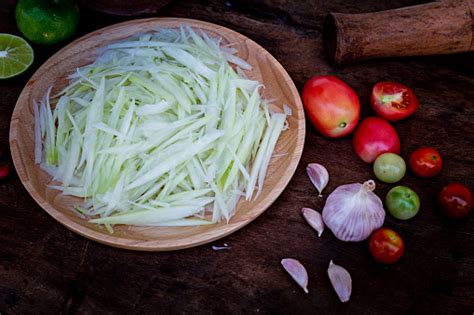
column 163, row 129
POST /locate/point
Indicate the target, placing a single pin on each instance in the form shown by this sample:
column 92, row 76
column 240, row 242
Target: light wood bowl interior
column 266, row 69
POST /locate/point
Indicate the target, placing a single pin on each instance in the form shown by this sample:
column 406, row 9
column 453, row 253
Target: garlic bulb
column 352, row 212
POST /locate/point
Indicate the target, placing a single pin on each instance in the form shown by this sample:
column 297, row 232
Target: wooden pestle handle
column 435, row 28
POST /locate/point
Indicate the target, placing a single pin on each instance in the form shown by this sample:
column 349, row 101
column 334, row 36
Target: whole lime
column 47, row 22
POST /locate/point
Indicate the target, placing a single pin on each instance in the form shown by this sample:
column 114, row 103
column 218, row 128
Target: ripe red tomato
column 373, row 137
column 455, row 200
column 425, row 162
column 332, row 106
column 386, row 246
column 393, row 101
column 5, row 170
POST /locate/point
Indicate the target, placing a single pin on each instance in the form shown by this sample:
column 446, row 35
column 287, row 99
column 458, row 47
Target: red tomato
column 393, row 101
column 373, row 137
column 425, row 162
column 332, row 106
column 5, row 170
column 455, row 200
column 386, row 246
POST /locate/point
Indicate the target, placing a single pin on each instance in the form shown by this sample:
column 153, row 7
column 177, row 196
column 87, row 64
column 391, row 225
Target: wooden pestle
column 435, row 28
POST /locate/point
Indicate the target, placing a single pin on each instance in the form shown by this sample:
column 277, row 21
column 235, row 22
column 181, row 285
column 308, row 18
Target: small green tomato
column 389, row 168
column 402, row 202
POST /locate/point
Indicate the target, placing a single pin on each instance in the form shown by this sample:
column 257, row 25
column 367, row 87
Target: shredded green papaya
column 163, row 129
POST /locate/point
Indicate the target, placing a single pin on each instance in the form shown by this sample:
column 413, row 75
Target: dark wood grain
column 126, row 7
column 44, row 268
column 442, row 27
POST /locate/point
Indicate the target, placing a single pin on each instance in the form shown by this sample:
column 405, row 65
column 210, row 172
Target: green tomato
column 389, row 167
column 402, row 202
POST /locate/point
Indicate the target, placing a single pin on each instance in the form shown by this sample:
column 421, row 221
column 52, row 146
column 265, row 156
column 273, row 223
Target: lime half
column 16, row 55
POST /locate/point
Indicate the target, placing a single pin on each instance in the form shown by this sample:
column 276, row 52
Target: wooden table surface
column 45, row 268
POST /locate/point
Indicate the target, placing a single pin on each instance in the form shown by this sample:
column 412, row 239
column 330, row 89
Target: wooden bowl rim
column 155, row 245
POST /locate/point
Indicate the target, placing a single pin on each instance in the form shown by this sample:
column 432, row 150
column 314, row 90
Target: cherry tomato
column 425, row 162
column 402, row 202
column 389, row 167
column 455, row 200
column 393, row 101
column 386, row 246
column 332, row 106
column 5, row 170
column 373, row 137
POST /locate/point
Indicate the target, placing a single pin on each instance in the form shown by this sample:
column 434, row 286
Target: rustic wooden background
column 45, row 268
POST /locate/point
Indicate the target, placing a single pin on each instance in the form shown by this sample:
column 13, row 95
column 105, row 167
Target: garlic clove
column 318, row 175
column 297, row 271
column 341, row 281
column 314, row 219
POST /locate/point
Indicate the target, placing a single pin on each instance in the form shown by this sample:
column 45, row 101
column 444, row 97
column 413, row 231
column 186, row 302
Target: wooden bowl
column 278, row 85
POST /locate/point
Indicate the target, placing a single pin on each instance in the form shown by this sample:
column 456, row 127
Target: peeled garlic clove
column 297, row 271
column 341, row 281
column 314, row 219
column 318, row 175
